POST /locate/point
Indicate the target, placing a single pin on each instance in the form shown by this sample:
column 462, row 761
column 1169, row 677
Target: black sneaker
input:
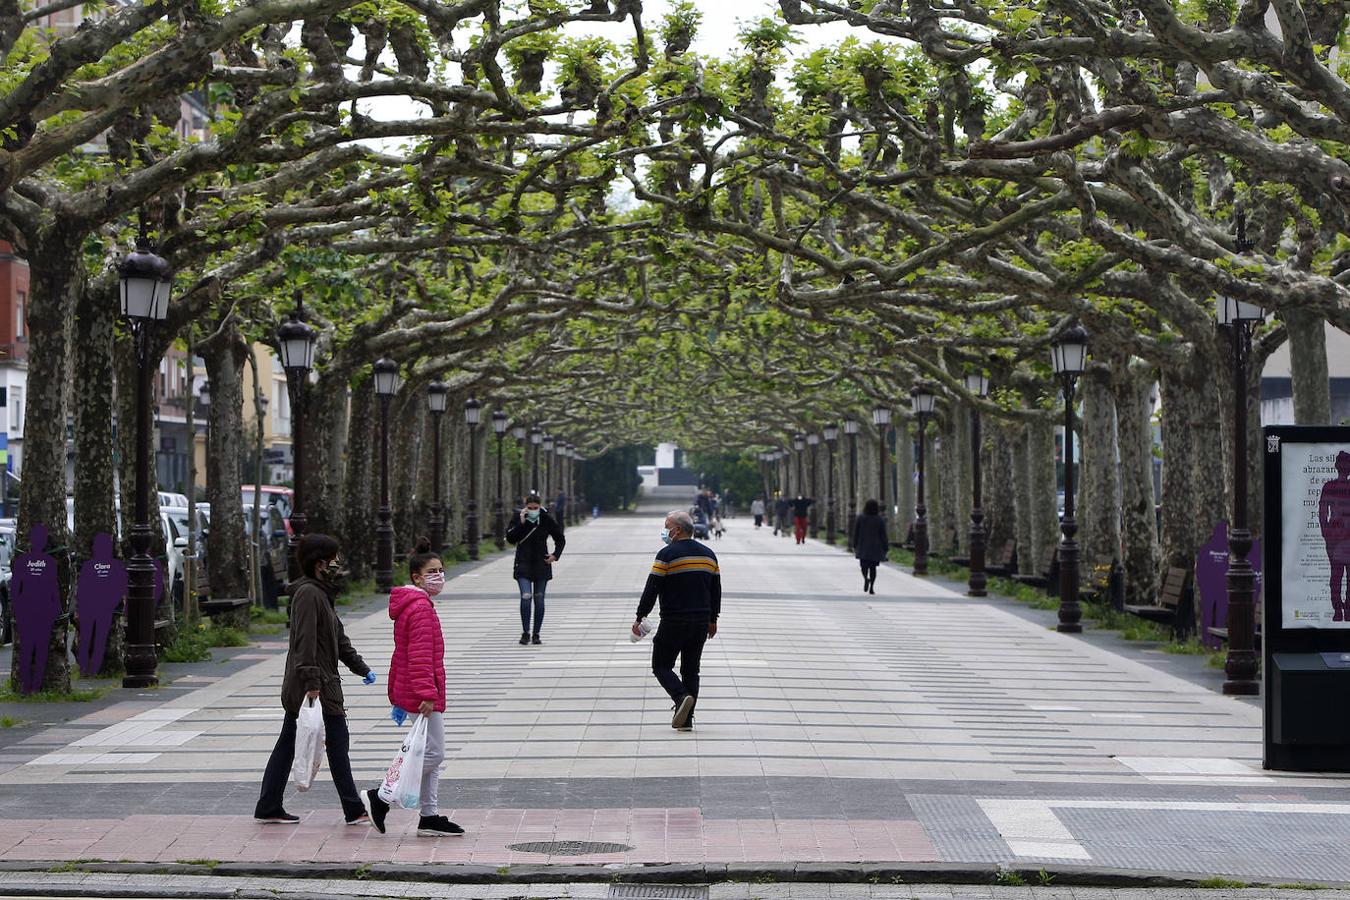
column 688, row 725
column 524, row 638
column 535, row 640
column 437, row 826
column 281, row 817
column 683, row 710
column 378, row 809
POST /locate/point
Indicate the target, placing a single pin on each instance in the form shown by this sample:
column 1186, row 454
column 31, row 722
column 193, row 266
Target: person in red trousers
column 417, row 682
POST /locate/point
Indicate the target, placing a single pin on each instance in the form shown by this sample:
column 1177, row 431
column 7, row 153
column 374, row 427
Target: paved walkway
column 915, row 725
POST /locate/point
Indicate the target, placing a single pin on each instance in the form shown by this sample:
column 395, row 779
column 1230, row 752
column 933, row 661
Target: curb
column 662, row 873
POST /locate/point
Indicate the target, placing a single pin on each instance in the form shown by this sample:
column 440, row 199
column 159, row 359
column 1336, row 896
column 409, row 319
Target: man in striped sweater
column 686, row 580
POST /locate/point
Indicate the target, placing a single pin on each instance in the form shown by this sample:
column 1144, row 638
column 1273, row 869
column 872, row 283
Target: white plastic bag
column 402, row 785
column 309, row 744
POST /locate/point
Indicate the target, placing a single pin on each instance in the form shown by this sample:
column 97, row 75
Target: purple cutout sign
column 1211, row 579
column 101, row 587
column 36, row 598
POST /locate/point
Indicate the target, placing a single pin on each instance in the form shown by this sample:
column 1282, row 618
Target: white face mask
column 433, row 583
column 665, row 536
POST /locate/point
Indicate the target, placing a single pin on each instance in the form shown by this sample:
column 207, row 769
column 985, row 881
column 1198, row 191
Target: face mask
column 532, row 515
column 433, row 583
column 665, row 535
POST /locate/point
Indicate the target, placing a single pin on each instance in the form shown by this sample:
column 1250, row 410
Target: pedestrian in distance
column 529, row 532
column 781, row 507
column 871, row 545
column 417, row 682
column 317, row 644
column 801, row 508
column 687, row 583
column 757, row 510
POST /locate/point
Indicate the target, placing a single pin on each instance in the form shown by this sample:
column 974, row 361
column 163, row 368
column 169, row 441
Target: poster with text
column 1315, row 545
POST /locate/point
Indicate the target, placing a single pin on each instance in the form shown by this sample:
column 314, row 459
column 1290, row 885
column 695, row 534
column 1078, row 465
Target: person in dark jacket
column 801, row 508
column 871, row 543
column 318, row 644
column 687, row 582
column 781, row 507
column 529, row 533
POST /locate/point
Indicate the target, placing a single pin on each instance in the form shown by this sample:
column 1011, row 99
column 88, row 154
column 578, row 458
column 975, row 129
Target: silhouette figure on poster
column 36, row 594
column 1333, row 515
column 101, row 587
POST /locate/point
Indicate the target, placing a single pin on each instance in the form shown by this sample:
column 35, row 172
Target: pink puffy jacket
column 417, row 669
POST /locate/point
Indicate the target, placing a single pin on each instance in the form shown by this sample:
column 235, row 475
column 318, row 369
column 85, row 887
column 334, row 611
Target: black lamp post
column 436, row 398
column 498, row 511
column 546, row 445
column 519, row 432
column 851, row 431
column 569, row 481
column 798, row 445
column 536, row 438
column 296, row 342
column 1240, row 666
column 473, row 414
column 812, row 442
column 922, row 402
column 146, row 282
column 1069, row 356
column 881, row 417
column 831, row 435
column 977, row 383
column 387, row 383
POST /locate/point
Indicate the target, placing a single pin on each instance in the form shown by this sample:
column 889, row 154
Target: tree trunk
column 325, row 436
column 997, row 493
column 962, row 494
column 405, row 416
column 904, row 461
column 1044, row 492
column 1132, row 388
column 56, row 278
column 1308, row 367
column 1027, row 542
column 95, row 450
column 226, row 542
column 360, row 495
column 1098, row 512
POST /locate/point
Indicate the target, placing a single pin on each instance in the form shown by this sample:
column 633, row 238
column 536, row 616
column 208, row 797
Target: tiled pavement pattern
column 910, row 726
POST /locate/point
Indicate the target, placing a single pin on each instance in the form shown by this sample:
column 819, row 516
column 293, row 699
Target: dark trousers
column 278, row 771
column 683, row 638
column 759, row 520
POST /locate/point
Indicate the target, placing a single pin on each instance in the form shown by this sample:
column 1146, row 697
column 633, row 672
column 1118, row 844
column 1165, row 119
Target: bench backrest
column 1174, row 586
column 1048, row 559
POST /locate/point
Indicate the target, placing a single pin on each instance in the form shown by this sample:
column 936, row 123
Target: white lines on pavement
column 141, row 731
column 85, row 759
column 1031, row 828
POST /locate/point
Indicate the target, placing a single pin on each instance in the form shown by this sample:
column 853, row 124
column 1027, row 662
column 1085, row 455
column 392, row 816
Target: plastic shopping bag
column 402, row 785
column 309, row 744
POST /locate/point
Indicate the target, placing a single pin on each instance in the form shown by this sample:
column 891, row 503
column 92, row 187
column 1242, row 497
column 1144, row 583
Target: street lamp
column 831, row 435
column 387, row 383
column 146, row 282
column 473, row 414
column 519, row 432
column 1069, row 356
column 813, row 441
column 499, row 422
column 922, row 402
column 437, row 393
column 851, row 430
column 799, row 444
column 881, row 417
column 536, row 438
column 977, row 383
column 1241, row 318
column 296, row 342
column 546, row 445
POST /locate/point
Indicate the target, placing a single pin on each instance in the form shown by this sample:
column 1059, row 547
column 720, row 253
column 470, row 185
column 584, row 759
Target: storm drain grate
column 569, row 848
column 659, row 891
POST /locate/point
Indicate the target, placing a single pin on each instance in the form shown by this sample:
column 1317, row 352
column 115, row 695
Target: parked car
column 7, row 547
column 169, row 498
column 278, row 496
column 175, row 521
column 273, row 545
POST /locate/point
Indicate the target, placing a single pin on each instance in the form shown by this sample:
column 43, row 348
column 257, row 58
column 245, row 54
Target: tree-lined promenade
column 623, row 241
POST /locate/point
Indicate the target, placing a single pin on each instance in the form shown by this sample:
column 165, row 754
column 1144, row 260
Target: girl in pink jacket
column 417, row 681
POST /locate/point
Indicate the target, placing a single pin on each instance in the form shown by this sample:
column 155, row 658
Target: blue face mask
column 665, row 535
column 532, row 515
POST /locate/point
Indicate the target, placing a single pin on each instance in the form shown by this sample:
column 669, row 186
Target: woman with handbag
column 534, row 563
column 417, row 683
column 317, row 645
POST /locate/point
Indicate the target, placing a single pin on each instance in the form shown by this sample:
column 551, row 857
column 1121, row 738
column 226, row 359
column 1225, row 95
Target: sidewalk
column 912, row 726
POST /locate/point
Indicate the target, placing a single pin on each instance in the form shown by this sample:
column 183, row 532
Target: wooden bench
column 1048, row 576
column 996, row 562
column 1175, row 604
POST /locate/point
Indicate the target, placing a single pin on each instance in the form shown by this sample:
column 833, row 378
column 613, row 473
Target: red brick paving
column 656, row 835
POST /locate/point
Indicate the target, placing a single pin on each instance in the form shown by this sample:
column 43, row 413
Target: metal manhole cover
column 659, row 891
column 569, row 848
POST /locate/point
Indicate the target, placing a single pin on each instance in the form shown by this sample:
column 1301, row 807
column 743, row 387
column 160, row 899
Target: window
column 20, row 308
column 16, row 410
